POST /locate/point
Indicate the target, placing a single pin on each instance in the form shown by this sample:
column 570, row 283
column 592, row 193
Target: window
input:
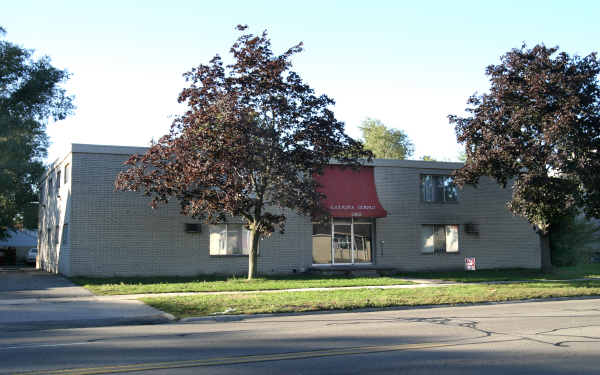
column 49, row 185
column 472, row 228
column 66, row 174
column 438, row 238
column 42, row 192
column 229, row 239
column 58, row 181
column 65, row 234
column 438, row 189
column 49, row 237
column 192, row 228
column 56, row 229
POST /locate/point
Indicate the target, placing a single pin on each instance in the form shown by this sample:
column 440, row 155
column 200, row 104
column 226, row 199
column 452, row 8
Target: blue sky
column 409, row 64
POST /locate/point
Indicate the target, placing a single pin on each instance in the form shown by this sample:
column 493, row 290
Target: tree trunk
column 253, row 255
column 545, row 251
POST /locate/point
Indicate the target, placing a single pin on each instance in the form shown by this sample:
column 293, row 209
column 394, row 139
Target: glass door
column 362, row 235
column 343, row 241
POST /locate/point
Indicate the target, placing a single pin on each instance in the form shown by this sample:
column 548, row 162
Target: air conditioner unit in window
column 193, row 228
column 472, row 228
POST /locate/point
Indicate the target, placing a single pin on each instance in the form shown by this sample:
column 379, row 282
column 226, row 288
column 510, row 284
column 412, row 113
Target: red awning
column 350, row 193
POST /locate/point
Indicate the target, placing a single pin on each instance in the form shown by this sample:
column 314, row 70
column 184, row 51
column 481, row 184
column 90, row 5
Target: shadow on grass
column 147, row 280
column 512, row 274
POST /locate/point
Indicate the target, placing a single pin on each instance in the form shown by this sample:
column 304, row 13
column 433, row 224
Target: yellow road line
column 248, row 359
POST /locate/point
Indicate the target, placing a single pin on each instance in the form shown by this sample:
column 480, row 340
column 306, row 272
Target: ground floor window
column 438, row 238
column 229, row 239
column 343, row 241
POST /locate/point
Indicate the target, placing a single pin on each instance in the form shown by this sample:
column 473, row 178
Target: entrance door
column 363, row 241
column 343, row 241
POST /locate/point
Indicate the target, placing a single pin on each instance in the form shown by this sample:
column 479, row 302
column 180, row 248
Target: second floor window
column 438, row 189
column 66, row 174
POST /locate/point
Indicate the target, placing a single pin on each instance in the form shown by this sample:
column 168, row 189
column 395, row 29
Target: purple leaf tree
column 538, row 129
column 252, row 138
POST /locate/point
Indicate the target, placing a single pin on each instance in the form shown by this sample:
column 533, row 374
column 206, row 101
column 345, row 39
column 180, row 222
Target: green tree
column 427, row 158
column 539, row 127
column 573, row 240
column 249, row 145
column 385, row 143
column 29, row 96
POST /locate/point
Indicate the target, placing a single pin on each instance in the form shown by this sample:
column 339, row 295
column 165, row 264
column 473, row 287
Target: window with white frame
column 229, row 239
column 438, row 238
column 438, row 189
column 58, row 181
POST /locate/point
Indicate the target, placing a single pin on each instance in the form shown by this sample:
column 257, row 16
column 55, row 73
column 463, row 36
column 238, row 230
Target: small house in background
column 22, row 241
column 391, row 214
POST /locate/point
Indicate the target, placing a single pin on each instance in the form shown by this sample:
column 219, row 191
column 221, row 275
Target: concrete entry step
column 353, row 271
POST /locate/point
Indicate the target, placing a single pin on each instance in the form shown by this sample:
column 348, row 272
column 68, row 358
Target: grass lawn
column 210, row 283
column 584, row 270
column 562, row 273
column 256, row 303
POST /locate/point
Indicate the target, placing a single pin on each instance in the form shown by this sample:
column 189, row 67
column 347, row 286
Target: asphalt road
column 556, row 337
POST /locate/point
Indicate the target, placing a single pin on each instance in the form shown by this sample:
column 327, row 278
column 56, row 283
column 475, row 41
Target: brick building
column 399, row 214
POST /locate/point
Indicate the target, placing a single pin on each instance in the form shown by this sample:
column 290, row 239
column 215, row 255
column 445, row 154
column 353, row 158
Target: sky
column 407, row 63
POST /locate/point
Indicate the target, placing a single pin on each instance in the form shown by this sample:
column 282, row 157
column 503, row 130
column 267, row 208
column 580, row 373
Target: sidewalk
column 126, row 297
column 31, row 299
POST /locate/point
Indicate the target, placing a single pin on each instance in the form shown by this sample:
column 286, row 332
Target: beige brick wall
column 117, row 233
column 503, row 241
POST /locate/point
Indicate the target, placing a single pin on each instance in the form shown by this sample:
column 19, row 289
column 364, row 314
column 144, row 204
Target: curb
column 159, row 318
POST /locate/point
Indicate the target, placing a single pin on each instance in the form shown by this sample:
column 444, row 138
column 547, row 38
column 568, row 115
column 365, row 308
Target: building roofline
column 107, row 149
column 130, row 150
column 421, row 164
column 83, row 148
column 51, row 166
